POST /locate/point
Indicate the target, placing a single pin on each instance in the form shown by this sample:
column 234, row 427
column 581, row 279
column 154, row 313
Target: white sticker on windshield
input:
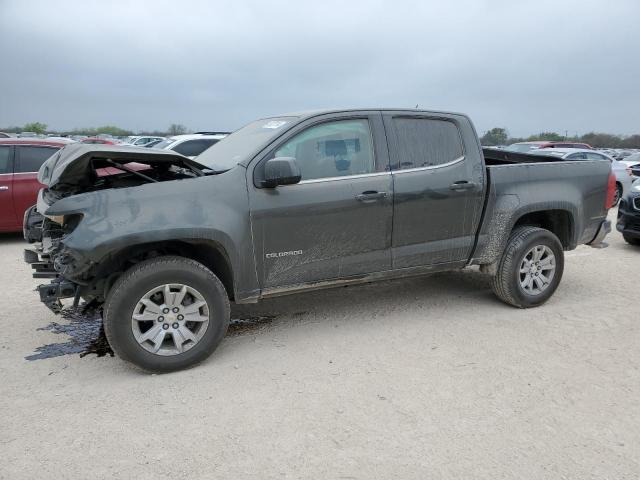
column 274, row 124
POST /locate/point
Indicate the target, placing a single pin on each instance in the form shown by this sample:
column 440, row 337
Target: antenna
column 416, row 106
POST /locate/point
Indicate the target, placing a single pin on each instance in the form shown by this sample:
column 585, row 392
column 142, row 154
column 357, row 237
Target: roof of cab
column 314, row 113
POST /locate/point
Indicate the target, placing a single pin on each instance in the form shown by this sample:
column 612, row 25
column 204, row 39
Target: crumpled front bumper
column 38, row 256
column 59, row 288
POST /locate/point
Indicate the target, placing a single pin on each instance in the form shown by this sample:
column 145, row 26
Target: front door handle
column 462, row 185
column 4, row 187
column 371, row 196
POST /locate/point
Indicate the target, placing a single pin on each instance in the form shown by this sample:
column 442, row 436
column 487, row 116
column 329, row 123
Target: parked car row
column 527, row 147
column 190, row 145
column 622, row 154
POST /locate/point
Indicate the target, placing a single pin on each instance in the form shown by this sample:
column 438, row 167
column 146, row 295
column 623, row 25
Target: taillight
column 611, row 191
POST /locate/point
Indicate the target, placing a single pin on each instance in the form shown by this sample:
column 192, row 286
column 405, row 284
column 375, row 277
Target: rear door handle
column 462, row 185
column 371, row 196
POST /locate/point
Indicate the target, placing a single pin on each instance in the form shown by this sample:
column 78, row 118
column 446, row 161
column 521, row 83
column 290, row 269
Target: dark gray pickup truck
column 161, row 243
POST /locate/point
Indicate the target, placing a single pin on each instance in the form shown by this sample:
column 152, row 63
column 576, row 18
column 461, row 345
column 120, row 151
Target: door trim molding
column 346, row 177
column 431, row 167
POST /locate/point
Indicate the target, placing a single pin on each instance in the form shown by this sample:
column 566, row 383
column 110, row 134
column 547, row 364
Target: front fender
column 213, row 209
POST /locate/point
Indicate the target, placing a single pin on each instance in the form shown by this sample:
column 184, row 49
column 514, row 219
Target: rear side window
column 424, row 142
column 30, row 159
column 577, row 156
column 193, row 148
column 595, row 156
column 5, row 159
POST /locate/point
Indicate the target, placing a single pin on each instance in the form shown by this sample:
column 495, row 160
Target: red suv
column 20, row 160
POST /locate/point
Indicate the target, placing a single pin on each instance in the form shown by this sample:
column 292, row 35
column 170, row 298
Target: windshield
column 243, row 144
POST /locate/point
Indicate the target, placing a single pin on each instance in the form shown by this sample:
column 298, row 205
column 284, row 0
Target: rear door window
column 5, row 159
column 31, row 158
column 424, row 142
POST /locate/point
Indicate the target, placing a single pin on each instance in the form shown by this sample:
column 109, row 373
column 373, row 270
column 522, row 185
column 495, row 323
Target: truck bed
column 505, row 157
column 519, row 184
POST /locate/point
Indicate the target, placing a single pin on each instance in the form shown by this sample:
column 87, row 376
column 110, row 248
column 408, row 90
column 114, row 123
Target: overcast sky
column 528, row 65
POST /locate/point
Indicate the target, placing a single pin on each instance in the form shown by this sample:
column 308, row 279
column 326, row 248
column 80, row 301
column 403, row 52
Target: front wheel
column 530, row 268
column 166, row 314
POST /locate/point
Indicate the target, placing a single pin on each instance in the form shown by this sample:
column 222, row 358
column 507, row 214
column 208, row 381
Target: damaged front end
column 79, row 179
column 47, row 259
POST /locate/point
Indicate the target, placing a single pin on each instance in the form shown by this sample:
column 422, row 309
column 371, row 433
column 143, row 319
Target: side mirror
column 281, row 171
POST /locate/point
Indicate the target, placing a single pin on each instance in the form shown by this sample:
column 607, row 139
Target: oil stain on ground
column 246, row 324
column 86, row 333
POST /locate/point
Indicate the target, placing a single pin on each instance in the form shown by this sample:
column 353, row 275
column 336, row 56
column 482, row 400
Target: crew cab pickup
column 297, row 202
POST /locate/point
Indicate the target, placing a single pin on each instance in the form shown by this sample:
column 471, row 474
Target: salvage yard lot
column 423, row 377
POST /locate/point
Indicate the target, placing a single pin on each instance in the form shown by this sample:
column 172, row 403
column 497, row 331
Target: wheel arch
column 210, row 253
column 560, row 222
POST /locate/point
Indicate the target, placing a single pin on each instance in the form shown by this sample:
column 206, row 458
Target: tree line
column 500, row 136
column 41, row 128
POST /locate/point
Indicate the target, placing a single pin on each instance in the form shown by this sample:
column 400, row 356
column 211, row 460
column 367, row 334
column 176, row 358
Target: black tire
column 140, row 279
column 631, row 240
column 506, row 282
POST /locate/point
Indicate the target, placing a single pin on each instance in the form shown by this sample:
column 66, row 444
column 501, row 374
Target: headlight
column 69, row 222
column 59, row 219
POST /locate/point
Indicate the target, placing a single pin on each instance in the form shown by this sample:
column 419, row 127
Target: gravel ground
column 421, row 378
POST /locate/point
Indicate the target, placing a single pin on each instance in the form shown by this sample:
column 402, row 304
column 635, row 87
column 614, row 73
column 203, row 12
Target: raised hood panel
column 76, row 164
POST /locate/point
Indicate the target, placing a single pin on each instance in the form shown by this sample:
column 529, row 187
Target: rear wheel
column 530, row 269
column 166, row 314
column 631, row 240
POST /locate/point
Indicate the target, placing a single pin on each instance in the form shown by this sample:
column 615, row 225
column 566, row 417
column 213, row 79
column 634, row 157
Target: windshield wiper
column 211, row 171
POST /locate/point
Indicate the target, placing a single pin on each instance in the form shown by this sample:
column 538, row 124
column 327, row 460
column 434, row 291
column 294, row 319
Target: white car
column 624, row 177
column 141, row 141
column 633, row 162
column 191, row 145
